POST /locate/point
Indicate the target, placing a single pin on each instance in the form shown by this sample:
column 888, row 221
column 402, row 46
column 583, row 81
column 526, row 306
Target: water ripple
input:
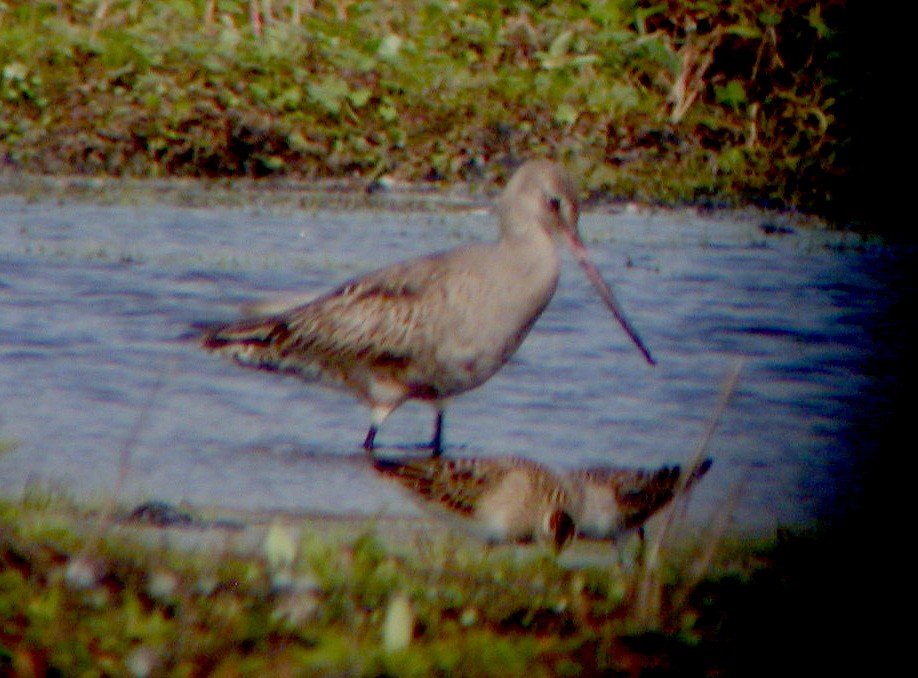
column 98, row 301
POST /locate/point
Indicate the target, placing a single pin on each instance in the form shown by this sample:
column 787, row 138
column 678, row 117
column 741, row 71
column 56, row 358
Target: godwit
column 609, row 502
column 498, row 500
column 436, row 326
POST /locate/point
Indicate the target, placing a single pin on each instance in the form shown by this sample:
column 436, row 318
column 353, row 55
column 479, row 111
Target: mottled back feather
column 457, row 484
column 640, row 493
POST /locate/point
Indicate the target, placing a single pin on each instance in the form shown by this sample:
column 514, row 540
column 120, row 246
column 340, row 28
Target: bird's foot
column 435, row 447
column 369, row 443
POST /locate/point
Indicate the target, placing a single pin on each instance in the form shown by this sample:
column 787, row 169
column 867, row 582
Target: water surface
column 97, row 300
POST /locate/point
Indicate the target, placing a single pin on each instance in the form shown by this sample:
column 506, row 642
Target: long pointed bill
column 580, row 253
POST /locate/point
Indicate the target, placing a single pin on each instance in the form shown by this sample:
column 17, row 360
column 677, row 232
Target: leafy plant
column 673, row 101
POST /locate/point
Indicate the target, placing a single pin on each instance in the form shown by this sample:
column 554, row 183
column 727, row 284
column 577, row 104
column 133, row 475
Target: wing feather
column 376, row 319
column 453, row 484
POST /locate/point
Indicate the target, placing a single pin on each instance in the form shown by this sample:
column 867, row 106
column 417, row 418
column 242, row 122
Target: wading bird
column 511, row 499
column 502, row 500
column 609, row 502
column 433, row 327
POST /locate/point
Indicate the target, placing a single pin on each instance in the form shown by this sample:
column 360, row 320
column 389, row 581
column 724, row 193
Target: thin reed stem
column 649, row 591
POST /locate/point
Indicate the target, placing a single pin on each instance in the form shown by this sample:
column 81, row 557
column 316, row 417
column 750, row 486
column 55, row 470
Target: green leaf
column 398, row 624
column 618, row 98
column 289, row 99
column 731, row 160
column 607, row 12
column 814, row 18
column 390, row 46
column 583, row 60
column 745, row 31
column 566, row 114
column 15, row 71
column 259, row 92
column 770, row 18
column 558, row 54
column 388, row 111
column 641, row 14
column 329, row 93
column 359, row 97
column 733, row 93
column 280, row 545
column 273, row 163
column 561, row 44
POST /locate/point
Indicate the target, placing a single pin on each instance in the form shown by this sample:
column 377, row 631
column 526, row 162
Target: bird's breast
column 488, row 309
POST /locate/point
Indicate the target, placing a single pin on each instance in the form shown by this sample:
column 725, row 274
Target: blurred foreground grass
column 83, row 596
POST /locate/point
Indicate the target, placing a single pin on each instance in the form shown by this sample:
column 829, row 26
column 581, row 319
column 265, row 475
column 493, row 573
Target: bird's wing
column 375, row 319
column 639, row 493
column 642, row 492
column 379, row 316
column 456, row 485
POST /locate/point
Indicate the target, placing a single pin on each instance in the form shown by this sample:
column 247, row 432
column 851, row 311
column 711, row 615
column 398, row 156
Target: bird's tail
column 667, row 477
column 412, row 471
column 648, row 493
column 263, row 343
column 698, row 472
column 257, row 332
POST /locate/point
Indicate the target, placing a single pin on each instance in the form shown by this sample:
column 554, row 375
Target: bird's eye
column 554, row 204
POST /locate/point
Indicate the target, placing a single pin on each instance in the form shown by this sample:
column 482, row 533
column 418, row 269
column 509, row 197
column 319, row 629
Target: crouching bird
column 500, row 500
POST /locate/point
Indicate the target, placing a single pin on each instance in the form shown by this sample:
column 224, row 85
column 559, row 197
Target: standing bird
column 433, row 327
column 506, row 499
column 609, row 502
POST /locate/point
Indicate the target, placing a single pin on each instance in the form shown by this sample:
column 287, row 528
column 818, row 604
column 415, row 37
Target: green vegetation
column 715, row 103
column 82, row 596
column 668, row 102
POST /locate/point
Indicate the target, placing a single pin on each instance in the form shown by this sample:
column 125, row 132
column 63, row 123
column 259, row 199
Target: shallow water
column 93, row 363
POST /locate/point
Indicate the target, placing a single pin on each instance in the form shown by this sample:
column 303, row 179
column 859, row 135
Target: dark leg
column 642, row 545
column 370, row 439
column 436, row 445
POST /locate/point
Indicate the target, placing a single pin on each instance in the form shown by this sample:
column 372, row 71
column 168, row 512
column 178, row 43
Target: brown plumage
column 433, row 327
column 506, row 499
column 608, row 502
